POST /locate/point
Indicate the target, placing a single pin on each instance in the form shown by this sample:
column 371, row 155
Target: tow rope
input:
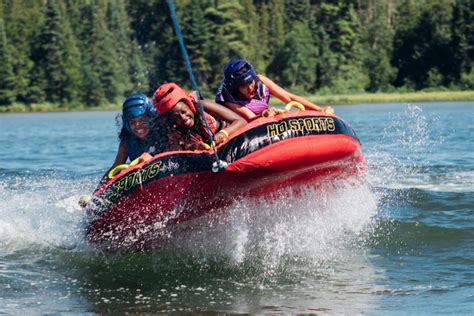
column 218, row 164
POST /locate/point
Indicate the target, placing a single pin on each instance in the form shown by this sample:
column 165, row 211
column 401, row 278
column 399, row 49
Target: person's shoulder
column 221, row 93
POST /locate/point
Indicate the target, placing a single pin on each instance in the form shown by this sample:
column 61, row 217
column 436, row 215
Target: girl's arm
column 287, row 97
column 242, row 111
column 235, row 121
column 120, row 158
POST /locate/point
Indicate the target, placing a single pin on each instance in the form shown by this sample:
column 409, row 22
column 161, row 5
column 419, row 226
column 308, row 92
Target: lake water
column 399, row 241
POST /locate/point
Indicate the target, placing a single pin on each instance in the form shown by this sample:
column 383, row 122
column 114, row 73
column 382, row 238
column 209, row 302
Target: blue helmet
column 238, row 72
column 135, row 105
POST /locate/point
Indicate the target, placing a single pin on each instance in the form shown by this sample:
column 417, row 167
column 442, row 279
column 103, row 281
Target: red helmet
column 168, row 95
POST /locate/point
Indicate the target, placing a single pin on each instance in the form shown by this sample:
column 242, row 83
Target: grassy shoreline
column 394, row 97
column 318, row 99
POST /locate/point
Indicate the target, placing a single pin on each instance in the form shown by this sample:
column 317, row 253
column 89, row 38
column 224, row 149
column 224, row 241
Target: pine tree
column 231, row 36
column 378, row 38
column 197, row 36
column 256, row 45
column 72, row 62
column 137, row 70
column 57, row 57
column 220, row 57
column 7, row 94
column 263, row 36
column 296, row 11
column 276, row 34
column 48, row 55
column 337, row 31
column 152, row 28
column 228, row 18
column 93, row 91
column 462, row 43
column 422, row 52
column 99, row 65
column 403, row 43
column 23, row 21
column 299, row 58
column 119, row 25
column 169, row 63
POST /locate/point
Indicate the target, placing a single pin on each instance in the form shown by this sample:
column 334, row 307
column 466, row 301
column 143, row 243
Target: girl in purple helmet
column 247, row 93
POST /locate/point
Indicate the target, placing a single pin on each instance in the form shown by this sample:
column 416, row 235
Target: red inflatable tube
column 286, row 151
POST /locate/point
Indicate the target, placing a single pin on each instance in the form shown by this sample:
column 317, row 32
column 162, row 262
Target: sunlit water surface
column 398, row 241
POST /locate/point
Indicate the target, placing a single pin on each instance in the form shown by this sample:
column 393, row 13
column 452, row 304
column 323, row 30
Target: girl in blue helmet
column 247, row 93
column 142, row 132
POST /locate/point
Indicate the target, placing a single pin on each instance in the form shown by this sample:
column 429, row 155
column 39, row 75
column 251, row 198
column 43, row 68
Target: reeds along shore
column 337, row 99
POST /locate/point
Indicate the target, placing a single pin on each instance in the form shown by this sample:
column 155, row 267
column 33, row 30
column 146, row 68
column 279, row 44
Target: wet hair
column 124, row 134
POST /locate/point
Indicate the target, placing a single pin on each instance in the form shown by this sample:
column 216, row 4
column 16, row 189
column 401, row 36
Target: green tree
column 295, row 67
column 296, row 11
column 256, row 44
column 153, row 31
column 57, row 57
column 403, row 49
column 118, row 23
column 220, row 56
column 421, row 51
column 72, row 62
column 137, row 70
column 462, row 41
column 23, row 20
column 378, row 37
column 231, row 36
column 263, row 36
column 48, row 55
column 276, row 32
column 7, row 94
column 228, row 18
column 93, row 91
column 197, row 37
column 337, row 34
column 100, row 62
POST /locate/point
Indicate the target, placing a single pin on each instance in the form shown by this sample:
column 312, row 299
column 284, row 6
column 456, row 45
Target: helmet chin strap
column 220, row 165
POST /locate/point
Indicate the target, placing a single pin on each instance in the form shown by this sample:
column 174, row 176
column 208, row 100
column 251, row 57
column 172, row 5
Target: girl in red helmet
column 179, row 108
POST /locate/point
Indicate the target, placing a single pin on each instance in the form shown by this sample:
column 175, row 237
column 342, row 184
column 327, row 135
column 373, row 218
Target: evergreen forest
column 93, row 52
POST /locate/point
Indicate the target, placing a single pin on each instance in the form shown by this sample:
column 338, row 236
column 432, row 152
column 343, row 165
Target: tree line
column 91, row 52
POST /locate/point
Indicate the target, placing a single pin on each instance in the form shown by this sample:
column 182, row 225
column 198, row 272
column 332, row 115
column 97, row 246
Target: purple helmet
column 135, row 105
column 238, row 72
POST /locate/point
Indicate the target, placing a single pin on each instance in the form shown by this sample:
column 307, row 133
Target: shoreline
column 337, row 99
column 396, row 97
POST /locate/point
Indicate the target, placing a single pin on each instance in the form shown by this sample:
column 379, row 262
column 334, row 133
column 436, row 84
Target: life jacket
column 160, row 138
column 136, row 147
column 257, row 104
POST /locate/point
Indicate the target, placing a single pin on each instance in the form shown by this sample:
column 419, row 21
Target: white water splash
column 314, row 227
column 403, row 159
column 44, row 210
column 41, row 211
